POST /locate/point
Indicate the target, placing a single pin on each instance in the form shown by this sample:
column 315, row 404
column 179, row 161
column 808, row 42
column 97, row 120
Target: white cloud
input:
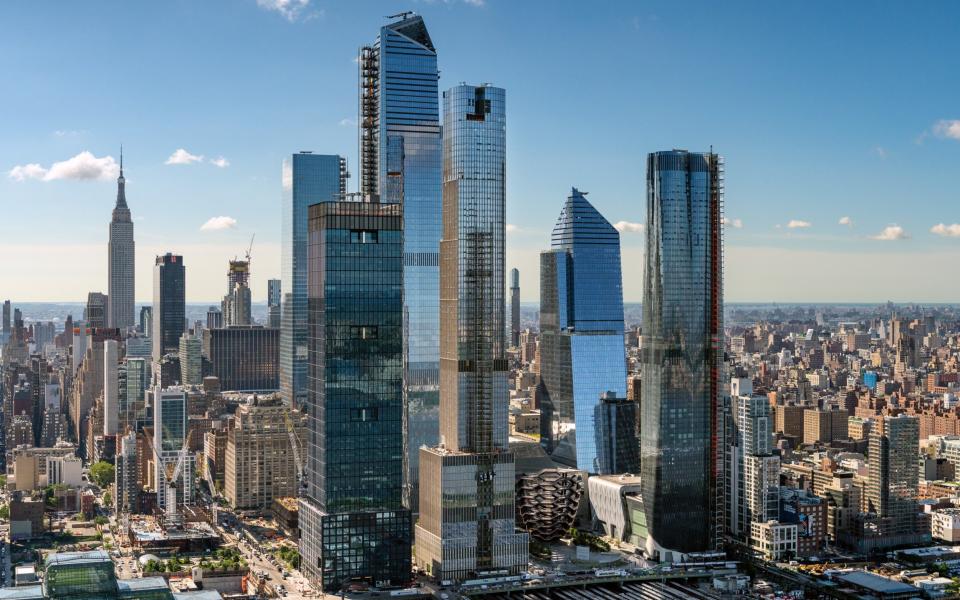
column 735, row 223
column 220, row 162
column 628, row 227
column 880, row 151
column 347, row 122
column 890, row 233
column 219, row 224
column 511, row 228
column 288, row 9
column 68, row 132
column 947, row 128
column 477, row 3
column 82, row 166
column 798, row 224
column 845, row 221
column 942, row 230
column 182, row 157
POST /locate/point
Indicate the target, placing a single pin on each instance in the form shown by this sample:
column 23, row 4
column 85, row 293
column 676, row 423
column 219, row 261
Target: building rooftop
column 27, row 592
column 77, row 558
column 142, row 584
column 876, row 583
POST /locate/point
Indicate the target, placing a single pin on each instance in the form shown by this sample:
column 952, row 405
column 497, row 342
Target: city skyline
column 795, row 127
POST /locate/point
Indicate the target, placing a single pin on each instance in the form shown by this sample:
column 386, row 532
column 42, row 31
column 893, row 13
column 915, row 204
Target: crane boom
column 294, row 445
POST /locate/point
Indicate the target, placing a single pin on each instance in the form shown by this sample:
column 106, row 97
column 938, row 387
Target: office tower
column 169, row 289
column 259, row 461
column 582, row 355
column 237, row 304
column 95, row 313
column 755, row 470
column 170, row 436
column 127, row 475
column 681, row 353
column 136, row 381
column 466, row 519
column 43, row 334
column 214, row 318
column 111, row 388
column 245, row 358
column 120, row 251
column 354, row 448
column 273, row 303
column 146, row 320
column 514, row 308
column 307, row 178
column 615, row 432
column 893, row 476
column 191, row 362
column 400, row 160
column 6, row 319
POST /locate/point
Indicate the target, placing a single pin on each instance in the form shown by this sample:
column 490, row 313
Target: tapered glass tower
column 582, row 356
column 400, row 161
column 466, row 519
column 682, row 352
column 120, row 251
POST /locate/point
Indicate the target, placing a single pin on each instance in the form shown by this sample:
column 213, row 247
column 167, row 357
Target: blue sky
column 822, row 110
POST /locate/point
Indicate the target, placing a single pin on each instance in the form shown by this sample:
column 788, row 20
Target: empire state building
column 120, row 250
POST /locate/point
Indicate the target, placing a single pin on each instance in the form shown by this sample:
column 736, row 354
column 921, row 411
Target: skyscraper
column 95, row 313
column 582, row 355
column 111, row 388
column 894, row 473
column 682, row 352
column 306, row 179
column 514, row 308
column 6, row 319
column 755, row 470
column 237, row 305
column 273, row 303
column 466, row 521
column 120, row 251
column 400, row 160
column 352, row 519
column 169, row 304
column 170, row 433
column 191, row 362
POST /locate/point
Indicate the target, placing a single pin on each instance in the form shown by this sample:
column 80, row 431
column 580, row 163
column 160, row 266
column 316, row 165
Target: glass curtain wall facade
column 400, row 160
column 306, row 179
column 467, row 518
column 514, row 308
column 681, row 353
column 352, row 519
column 582, row 353
column 169, row 289
column 244, row 357
column 170, row 429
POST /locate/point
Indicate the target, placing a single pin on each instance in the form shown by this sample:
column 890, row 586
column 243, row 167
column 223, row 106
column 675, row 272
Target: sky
column 839, row 124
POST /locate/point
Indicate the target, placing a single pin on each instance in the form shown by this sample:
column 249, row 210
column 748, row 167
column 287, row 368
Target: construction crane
column 401, row 15
column 250, row 248
column 172, row 516
column 295, row 447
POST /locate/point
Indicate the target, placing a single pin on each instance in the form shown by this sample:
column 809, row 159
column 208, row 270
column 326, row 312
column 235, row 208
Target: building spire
column 121, row 191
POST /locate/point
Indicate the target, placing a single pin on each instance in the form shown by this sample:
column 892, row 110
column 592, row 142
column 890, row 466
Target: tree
column 5, row 511
column 107, row 499
column 100, row 520
column 102, row 473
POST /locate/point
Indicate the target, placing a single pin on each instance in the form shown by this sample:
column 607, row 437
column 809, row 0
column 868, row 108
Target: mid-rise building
column 169, row 281
column 259, row 460
column 127, row 475
column 824, row 425
column 893, row 479
column 681, row 357
column 582, row 355
column 191, row 361
column 244, row 358
column 467, row 517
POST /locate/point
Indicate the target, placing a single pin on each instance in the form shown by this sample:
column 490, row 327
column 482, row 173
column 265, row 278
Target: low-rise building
column 607, row 495
column 945, row 524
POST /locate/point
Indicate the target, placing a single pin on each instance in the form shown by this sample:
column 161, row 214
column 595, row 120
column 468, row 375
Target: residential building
column 824, row 425
column 191, row 361
column 352, row 520
column 466, row 521
column 582, row 355
column 273, row 303
column 681, row 462
column 893, row 481
column 514, row 308
column 127, row 475
column 169, row 281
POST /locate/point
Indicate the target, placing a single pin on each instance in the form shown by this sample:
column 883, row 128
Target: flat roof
column 142, row 584
column 26, row 592
column 876, row 583
column 932, row 551
column 77, row 558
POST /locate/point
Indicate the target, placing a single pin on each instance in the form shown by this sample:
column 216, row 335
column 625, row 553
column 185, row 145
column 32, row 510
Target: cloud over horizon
column 845, row 221
column 952, row 230
column 798, row 224
column 947, row 128
column 290, row 10
column 219, row 224
column 83, row 166
column 628, row 227
column 182, row 157
column 891, row 233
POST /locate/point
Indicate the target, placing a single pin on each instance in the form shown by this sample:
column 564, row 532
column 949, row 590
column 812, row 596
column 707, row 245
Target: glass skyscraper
column 306, row 179
column 400, row 160
column 682, row 352
column 169, row 289
column 582, row 354
column 352, row 519
column 466, row 522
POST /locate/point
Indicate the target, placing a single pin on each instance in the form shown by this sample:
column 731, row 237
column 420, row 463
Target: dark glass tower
column 514, row 308
column 169, row 289
column 120, row 271
column 400, row 161
column 352, row 519
column 306, row 179
column 582, row 356
column 682, row 352
column 466, row 521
